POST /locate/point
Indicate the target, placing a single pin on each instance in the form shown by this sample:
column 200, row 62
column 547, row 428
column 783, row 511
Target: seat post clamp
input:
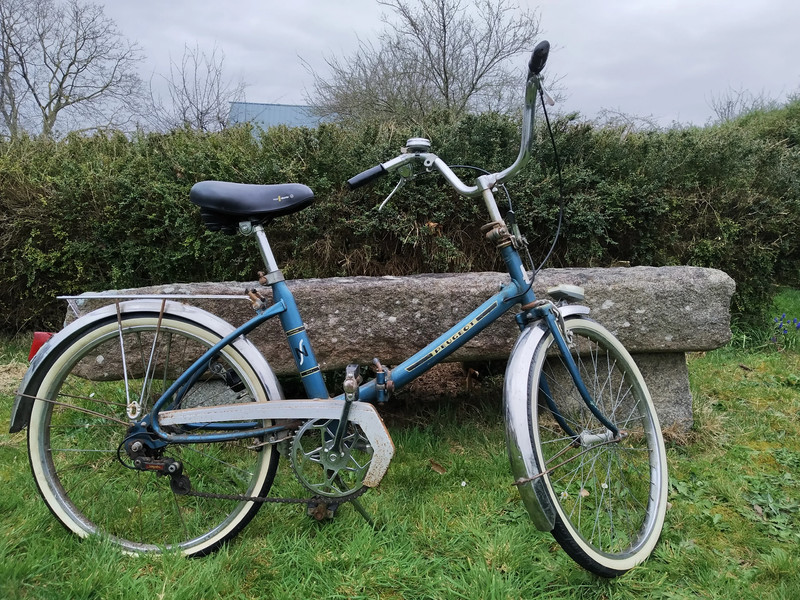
column 271, row 278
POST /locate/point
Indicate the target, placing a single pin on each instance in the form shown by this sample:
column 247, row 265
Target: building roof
column 270, row 115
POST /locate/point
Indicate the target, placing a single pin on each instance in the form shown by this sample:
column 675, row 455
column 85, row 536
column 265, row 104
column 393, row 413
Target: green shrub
column 110, row 211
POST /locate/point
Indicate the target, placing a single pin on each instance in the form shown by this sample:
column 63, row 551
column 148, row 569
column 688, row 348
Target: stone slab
column 651, row 310
column 659, row 314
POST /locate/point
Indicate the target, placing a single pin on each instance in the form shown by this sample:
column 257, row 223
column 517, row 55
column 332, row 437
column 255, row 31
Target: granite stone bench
column 659, row 314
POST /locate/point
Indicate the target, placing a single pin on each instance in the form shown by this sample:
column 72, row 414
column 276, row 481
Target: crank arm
column 361, row 414
column 351, row 381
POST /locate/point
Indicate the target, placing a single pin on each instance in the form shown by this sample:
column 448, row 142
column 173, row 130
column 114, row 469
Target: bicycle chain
column 269, row 499
column 273, row 500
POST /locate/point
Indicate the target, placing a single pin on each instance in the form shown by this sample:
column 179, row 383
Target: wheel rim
column 74, row 454
column 609, row 495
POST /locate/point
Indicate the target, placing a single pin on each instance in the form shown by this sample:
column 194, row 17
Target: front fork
column 563, row 338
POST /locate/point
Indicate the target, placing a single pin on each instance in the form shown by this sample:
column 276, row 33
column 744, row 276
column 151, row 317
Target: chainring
column 322, row 470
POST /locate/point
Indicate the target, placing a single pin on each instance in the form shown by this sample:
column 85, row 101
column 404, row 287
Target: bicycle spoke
column 609, row 497
column 78, row 447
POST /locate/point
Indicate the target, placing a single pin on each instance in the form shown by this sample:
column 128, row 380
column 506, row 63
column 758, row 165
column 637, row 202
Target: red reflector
column 39, row 338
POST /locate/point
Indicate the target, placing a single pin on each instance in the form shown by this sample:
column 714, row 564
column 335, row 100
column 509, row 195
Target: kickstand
column 362, row 511
column 357, row 505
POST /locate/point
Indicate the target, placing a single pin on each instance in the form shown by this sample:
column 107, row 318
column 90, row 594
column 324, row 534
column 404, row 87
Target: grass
column 732, row 530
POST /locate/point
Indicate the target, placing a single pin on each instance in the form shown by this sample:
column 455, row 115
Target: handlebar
column 486, row 182
column 539, row 57
column 365, row 177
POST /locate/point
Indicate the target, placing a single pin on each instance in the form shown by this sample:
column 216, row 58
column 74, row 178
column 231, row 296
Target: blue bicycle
column 159, row 426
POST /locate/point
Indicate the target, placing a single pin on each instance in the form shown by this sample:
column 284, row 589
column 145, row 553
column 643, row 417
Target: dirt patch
column 11, row 375
column 446, row 379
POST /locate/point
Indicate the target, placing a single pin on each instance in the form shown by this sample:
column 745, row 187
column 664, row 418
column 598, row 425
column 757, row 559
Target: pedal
column 352, row 379
column 320, row 510
column 383, row 384
column 566, row 292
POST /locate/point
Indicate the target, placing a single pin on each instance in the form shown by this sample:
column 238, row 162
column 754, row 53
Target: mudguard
column 516, row 400
column 23, row 403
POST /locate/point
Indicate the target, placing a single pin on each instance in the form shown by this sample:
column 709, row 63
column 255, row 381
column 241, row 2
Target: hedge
column 111, row 211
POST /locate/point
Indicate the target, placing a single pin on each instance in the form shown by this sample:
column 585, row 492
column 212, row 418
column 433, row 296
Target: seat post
column 266, row 250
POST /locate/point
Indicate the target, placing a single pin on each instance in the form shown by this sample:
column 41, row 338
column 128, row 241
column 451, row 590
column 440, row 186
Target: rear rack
column 74, row 301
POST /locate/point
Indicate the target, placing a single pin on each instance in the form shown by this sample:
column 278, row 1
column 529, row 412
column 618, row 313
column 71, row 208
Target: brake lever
column 547, row 97
column 400, row 184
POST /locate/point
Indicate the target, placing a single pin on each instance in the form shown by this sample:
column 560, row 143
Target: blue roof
column 270, row 115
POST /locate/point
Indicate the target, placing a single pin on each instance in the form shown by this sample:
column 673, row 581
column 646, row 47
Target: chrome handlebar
column 414, row 152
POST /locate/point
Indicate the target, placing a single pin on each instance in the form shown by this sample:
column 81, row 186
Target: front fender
column 23, row 403
column 516, row 400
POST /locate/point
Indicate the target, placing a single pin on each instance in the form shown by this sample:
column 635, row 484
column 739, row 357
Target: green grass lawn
column 732, row 529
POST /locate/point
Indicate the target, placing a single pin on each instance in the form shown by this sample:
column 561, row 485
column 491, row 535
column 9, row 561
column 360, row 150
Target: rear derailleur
column 146, row 454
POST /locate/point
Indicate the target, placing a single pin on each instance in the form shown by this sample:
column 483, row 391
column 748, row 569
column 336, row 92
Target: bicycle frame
column 518, row 291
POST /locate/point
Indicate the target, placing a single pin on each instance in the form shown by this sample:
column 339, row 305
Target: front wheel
column 81, row 422
column 609, row 492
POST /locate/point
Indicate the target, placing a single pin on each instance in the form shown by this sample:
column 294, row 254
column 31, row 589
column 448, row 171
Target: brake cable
column 560, row 183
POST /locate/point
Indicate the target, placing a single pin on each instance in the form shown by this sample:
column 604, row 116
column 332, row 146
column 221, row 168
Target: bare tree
column 199, row 95
column 739, row 102
column 626, row 122
column 436, row 55
column 64, row 61
column 12, row 87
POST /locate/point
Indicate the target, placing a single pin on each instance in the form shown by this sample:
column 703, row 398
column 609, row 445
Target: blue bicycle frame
column 518, row 291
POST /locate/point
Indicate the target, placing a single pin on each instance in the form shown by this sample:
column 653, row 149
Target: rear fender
column 23, row 403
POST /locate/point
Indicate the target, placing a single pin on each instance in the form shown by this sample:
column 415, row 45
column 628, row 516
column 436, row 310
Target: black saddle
column 223, row 205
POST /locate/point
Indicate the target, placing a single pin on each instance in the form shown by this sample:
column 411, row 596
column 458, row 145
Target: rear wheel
column 609, row 493
column 82, row 417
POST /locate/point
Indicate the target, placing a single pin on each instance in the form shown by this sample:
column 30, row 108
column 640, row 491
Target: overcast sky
column 662, row 58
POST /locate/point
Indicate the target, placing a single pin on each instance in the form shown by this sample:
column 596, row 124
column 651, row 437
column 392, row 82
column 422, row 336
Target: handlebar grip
column 539, row 57
column 365, row 177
